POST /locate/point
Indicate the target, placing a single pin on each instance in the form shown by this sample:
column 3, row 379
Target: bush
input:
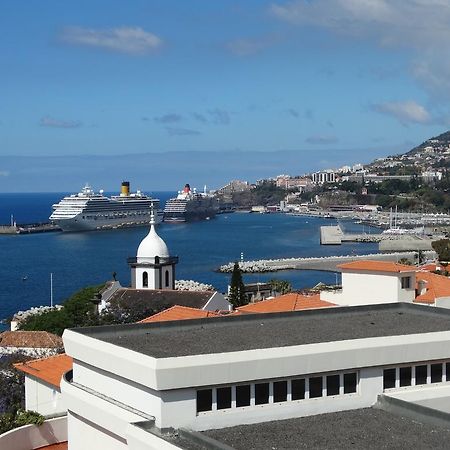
column 19, row 418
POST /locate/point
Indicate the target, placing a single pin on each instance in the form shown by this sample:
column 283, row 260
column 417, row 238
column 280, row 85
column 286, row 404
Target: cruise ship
column 88, row 210
column 190, row 205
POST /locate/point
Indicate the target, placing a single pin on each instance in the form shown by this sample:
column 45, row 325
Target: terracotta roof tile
column 30, row 339
column 436, row 286
column 178, row 312
column 47, row 369
column 377, row 266
column 287, row 302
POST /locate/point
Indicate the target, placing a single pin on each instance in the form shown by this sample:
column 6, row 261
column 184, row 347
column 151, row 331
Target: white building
column 324, row 177
column 132, row 384
column 373, row 282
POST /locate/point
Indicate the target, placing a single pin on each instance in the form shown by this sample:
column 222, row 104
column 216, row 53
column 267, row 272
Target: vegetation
column 281, row 286
column 237, row 295
column 264, row 194
column 19, row 418
column 442, row 248
column 77, row 311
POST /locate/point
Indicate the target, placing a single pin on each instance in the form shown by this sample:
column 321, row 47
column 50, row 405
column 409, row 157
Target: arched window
column 144, row 279
column 167, row 278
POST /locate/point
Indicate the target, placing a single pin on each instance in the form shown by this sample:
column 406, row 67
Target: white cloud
column 48, row 121
column 406, row 112
column 129, row 40
column 418, row 25
column 4, row 173
column 322, row 140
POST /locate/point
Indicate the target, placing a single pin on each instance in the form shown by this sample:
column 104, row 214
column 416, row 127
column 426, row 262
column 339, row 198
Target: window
column 349, row 383
column 204, row 400
column 388, row 378
column 333, row 384
column 436, row 373
column 298, row 389
column 243, row 395
column 279, row 391
column 406, row 282
column 261, row 393
column 144, row 279
column 421, row 374
column 447, row 371
column 405, row 376
column 167, row 278
column 224, row 398
column 315, row 387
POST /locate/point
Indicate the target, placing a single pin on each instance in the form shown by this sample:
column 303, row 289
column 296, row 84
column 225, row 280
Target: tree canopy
column 237, row 295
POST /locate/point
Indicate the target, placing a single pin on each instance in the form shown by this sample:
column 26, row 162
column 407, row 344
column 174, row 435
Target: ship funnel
column 187, row 188
column 125, row 190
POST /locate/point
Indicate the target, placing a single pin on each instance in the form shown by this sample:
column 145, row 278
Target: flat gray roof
column 359, row 429
column 256, row 331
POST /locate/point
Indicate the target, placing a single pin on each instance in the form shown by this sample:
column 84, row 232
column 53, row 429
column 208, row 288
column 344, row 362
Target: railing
column 29, row 437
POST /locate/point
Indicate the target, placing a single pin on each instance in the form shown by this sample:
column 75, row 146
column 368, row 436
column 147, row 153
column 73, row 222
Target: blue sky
column 330, row 81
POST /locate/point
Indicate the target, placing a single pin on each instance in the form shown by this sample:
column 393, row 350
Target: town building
column 32, row 343
column 132, row 384
column 327, row 176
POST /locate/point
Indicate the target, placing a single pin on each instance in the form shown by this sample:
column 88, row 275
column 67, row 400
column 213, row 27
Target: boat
column 190, row 205
column 88, row 210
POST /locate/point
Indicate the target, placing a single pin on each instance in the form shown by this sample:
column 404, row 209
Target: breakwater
column 29, row 228
column 326, row 263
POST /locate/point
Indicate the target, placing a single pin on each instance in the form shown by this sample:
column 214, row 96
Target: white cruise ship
column 190, row 205
column 88, row 210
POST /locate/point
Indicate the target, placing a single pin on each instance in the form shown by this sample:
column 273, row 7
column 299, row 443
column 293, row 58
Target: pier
column 29, row 228
column 326, row 263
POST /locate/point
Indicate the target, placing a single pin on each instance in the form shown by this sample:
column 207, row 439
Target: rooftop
column 359, row 429
column 30, row 339
column 377, row 266
column 219, row 335
column 288, row 302
column 178, row 312
column 49, row 369
column 437, row 286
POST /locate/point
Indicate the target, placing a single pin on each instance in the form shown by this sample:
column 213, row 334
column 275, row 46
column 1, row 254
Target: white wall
column 42, row 397
column 371, row 288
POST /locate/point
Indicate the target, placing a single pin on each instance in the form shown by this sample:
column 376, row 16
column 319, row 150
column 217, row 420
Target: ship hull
column 189, row 216
column 78, row 223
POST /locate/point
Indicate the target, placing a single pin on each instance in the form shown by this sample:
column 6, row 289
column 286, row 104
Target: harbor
column 29, row 228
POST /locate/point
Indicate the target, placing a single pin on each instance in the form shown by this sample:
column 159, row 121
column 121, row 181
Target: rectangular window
column 447, row 371
column 406, row 282
column 421, row 374
column 350, row 382
column 315, row 387
column 333, row 384
column 298, row 389
column 243, row 395
column 204, row 400
column 436, row 373
column 224, row 398
column 405, row 376
column 261, row 393
column 388, row 378
column 279, row 391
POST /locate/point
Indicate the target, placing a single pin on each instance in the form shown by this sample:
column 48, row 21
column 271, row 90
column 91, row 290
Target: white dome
column 152, row 245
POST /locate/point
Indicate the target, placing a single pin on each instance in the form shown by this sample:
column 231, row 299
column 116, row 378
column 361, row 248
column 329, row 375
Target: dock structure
column 326, row 263
column 29, row 228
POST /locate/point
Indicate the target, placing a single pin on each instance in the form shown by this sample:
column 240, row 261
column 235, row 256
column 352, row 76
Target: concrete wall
column 371, row 288
column 29, row 437
column 43, row 398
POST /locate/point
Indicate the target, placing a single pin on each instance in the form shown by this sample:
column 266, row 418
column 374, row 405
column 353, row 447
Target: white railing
column 29, row 437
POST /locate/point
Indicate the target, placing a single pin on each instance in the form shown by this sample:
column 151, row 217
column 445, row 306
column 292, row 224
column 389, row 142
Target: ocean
column 88, row 258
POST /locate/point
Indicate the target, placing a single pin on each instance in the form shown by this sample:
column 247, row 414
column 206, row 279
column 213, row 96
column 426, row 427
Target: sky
column 311, row 84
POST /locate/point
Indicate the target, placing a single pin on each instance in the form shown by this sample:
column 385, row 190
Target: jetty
column 29, row 228
column 326, row 263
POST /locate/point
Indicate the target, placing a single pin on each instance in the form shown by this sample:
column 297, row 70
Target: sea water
column 89, row 258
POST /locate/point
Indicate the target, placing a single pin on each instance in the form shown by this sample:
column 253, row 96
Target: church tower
column 153, row 267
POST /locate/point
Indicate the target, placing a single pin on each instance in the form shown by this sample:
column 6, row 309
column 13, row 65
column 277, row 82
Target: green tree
column 281, row 286
column 442, row 248
column 237, row 289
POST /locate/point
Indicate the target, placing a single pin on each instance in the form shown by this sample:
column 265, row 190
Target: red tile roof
column 30, row 339
column 436, row 286
column 60, row 446
column 49, row 369
column 288, row 302
column 377, row 266
column 178, row 312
